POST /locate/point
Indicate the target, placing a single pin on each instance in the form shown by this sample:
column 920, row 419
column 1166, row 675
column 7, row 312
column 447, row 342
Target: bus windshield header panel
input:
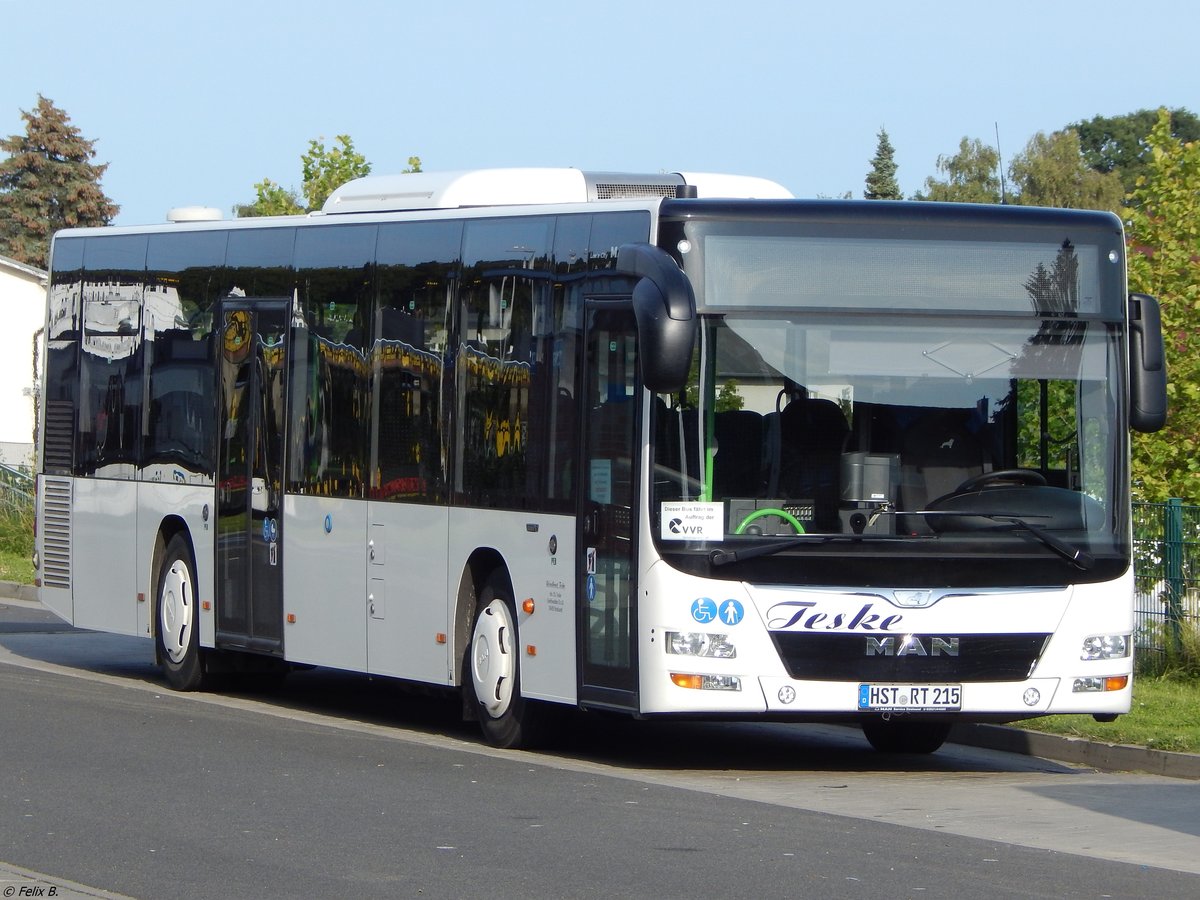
column 1047, row 269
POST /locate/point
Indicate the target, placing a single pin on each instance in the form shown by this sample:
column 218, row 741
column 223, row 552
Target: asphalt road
column 340, row 786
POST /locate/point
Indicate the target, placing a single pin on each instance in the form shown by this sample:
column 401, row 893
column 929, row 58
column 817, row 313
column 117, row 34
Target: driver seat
column 938, row 453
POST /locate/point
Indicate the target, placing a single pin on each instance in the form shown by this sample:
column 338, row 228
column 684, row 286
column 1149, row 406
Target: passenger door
column 607, row 613
column 252, row 374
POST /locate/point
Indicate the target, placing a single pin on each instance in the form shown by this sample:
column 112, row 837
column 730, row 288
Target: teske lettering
column 790, row 613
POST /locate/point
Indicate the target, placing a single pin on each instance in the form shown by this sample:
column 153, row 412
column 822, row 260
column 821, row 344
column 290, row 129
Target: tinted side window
column 62, row 357
column 110, row 391
column 610, row 231
column 329, row 401
column 258, row 263
column 417, row 269
column 554, row 412
column 503, row 308
column 183, row 278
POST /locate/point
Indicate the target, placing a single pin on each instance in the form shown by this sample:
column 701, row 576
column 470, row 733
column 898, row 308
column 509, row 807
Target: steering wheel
column 1016, row 476
column 770, row 511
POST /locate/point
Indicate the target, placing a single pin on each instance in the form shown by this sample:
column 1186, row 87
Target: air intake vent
column 58, row 454
column 54, row 520
column 616, row 191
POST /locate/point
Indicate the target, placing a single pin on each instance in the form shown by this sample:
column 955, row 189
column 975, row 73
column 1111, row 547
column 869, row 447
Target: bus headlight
column 699, row 643
column 1106, row 646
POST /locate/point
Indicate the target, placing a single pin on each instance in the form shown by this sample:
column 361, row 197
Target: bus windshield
column 971, row 430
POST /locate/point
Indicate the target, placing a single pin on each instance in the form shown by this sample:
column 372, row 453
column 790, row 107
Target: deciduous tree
column 1051, row 171
column 48, row 182
column 972, row 175
column 323, row 170
column 1164, row 260
column 1118, row 143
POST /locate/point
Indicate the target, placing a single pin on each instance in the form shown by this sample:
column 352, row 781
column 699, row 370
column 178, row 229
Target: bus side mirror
column 1147, row 365
column 664, row 306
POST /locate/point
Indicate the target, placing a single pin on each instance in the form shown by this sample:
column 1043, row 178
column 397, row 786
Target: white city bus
column 671, row 444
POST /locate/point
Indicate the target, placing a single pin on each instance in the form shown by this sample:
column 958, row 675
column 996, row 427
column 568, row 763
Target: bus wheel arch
column 475, row 574
column 176, row 609
column 491, row 659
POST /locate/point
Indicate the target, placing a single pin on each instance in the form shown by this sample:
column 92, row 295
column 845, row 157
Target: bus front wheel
column 178, row 633
column 895, row 735
column 494, row 673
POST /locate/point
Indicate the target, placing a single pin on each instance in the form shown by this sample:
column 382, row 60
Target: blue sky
column 192, row 103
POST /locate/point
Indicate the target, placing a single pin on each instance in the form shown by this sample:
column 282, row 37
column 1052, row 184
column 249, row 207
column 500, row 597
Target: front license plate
column 910, row 696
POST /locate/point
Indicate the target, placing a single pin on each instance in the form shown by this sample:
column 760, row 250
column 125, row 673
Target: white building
column 23, row 307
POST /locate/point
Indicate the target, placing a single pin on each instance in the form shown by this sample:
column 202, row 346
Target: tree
column 881, row 180
column 1051, row 171
column 272, row 200
column 972, row 175
column 48, row 182
column 1163, row 240
column 323, row 171
column 1118, row 143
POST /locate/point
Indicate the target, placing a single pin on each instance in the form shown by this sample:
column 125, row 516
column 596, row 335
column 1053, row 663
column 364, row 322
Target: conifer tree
column 881, row 180
column 48, row 182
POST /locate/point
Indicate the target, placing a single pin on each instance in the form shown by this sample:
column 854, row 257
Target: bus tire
column 898, row 736
column 493, row 671
column 177, row 618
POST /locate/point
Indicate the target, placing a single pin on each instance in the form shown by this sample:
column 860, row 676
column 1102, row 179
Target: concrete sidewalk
column 1096, row 754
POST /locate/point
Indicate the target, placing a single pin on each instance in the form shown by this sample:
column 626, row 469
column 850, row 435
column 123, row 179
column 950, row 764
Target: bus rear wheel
column 898, row 736
column 493, row 671
column 177, row 632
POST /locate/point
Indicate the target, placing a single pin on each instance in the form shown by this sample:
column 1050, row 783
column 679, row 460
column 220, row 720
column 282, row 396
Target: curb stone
column 1096, row 754
column 10, row 590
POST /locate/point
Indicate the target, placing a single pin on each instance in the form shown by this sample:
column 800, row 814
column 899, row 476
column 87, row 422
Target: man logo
column 912, row 645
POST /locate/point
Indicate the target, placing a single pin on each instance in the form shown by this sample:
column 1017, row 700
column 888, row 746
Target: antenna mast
column 1000, row 164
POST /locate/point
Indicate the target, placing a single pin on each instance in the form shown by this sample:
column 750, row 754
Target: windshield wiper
column 1077, row 556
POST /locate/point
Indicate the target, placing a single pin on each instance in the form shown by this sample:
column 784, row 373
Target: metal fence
column 16, row 489
column 1166, row 549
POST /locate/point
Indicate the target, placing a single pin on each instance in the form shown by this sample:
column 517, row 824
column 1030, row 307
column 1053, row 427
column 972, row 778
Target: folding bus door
column 607, row 612
column 252, row 371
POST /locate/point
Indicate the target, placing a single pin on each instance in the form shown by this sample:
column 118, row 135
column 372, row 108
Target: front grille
column 843, row 657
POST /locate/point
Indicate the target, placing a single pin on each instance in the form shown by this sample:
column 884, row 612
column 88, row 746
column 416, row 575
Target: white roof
column 531, row 186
